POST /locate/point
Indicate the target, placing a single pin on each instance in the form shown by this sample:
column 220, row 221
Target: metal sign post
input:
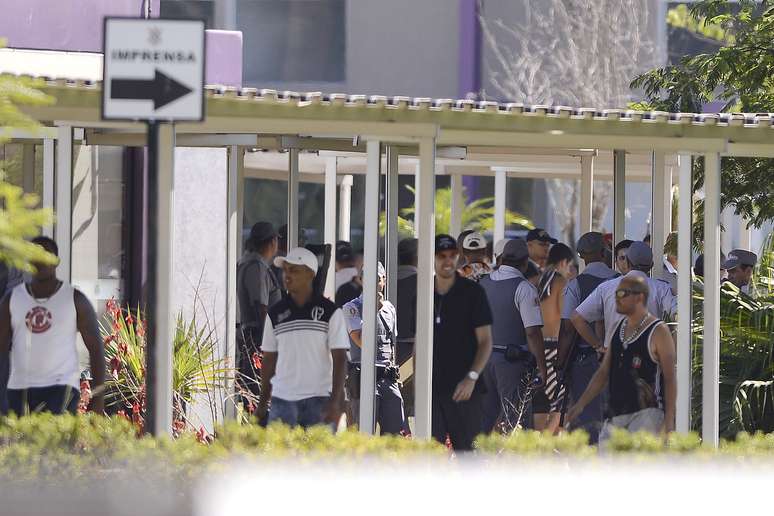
column 153, row 70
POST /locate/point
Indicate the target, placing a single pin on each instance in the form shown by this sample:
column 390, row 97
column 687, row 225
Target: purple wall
column 74, row 25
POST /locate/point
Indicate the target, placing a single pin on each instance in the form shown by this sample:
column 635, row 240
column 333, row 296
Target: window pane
column 190, row 9
column 293, row 40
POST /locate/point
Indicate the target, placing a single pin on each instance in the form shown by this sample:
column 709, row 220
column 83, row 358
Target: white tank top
column 43, row 349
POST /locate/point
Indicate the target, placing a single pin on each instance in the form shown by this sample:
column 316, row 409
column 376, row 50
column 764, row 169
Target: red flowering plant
column 198, row 373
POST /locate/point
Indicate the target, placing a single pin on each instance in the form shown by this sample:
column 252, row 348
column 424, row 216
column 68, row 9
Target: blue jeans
column 56, row 399
column 304, row 413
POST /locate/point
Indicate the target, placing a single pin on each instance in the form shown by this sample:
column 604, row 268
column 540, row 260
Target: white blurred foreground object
column 434, row 487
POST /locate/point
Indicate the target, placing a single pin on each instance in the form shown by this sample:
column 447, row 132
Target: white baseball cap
column 474, row 242
column 298, row 256
column 499, row 246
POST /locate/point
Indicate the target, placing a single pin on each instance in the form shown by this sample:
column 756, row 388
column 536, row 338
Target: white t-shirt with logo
column 303, row 338
column 44, row 352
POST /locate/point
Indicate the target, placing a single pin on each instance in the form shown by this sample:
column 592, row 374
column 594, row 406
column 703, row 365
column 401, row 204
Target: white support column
column 330, row 224
column 233, row 237
column 370, row 257
column 425, row 224
column 457, row 205
column 162, row 333
column 661, row 200
column 586, row 193
column 619, row 195
column 240, row 202
column 293, row 181
column 684, row 288
column 418, row 198
column 63, row 202
column 345, row 207
column 711, row 345
column 28, row 168
column 49, row 166
column 745, row 235
column 500, row 193
column 391, row 217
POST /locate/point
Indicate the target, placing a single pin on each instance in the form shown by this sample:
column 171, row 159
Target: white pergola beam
column 391, row 218
column 49, row 165
column 233, row 238
column 370, row 257
column 500, row 193
column 711, row 342
column 425, row 224
column 661, row 207
column 293, row 184
column 329, row 226
column 345, row 207
column 619, row 195
column 457, row 205
column 64, row 197
column 684, row 294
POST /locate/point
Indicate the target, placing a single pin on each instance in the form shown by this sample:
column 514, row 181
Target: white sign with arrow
column 153, row 69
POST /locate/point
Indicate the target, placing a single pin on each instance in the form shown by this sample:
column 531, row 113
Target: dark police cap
column 540, row 235
column 515, row 249
column 262, row 231
column 739, row 257
column 591, row 242
column 445, row 243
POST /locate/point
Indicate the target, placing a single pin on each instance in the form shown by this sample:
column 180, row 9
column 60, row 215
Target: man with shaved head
column 638, row 367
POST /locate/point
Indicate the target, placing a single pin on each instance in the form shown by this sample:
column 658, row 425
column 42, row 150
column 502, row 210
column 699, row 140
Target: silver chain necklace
column 635, row 334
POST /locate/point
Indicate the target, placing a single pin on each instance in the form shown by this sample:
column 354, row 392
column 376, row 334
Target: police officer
column 582, row 358
column 600, row 305
column 389, row 403
column 517, row 340
column 740, row 264
column 257, row 290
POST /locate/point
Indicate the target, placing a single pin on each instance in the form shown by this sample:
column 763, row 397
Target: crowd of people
column 521, row 339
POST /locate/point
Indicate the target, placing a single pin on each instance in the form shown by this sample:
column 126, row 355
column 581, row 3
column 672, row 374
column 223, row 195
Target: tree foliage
column 739, row 74
column 20, row 219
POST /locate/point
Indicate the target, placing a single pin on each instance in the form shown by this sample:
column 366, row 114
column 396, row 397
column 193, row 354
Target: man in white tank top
column 39, row 323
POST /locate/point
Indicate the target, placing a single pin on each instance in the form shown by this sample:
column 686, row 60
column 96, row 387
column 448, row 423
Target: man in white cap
column 475, row 253
column 740, row 264
column 305, row 346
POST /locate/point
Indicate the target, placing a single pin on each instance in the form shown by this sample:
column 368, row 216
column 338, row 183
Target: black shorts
column 57, row 399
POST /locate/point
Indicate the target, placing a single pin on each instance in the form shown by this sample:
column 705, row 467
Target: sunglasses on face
column 624, row 293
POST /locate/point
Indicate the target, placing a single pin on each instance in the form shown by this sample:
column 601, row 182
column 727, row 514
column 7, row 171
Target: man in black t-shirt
column 462, row 343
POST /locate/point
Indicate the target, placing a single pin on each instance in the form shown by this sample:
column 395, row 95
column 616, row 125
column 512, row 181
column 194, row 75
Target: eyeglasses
column 623, row 293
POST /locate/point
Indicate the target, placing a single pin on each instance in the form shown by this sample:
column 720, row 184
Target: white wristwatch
column 473, row 375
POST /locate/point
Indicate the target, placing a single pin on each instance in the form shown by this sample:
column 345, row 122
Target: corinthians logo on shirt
column 38, row 319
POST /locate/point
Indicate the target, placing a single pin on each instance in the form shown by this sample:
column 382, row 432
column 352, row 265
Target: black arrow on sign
column 162, row 89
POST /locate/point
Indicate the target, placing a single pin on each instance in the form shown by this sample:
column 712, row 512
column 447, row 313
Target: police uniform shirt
column 303, row 337
column 600, row 305
column 572, row 292
column 526, row 298
column 256, row 284
column 353, row 315
column 456, row 315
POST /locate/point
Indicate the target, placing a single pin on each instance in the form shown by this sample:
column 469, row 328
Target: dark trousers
column 56, row 399
column 508, row 399
column 460, row 420
column 4, row 373
column 582, row 369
